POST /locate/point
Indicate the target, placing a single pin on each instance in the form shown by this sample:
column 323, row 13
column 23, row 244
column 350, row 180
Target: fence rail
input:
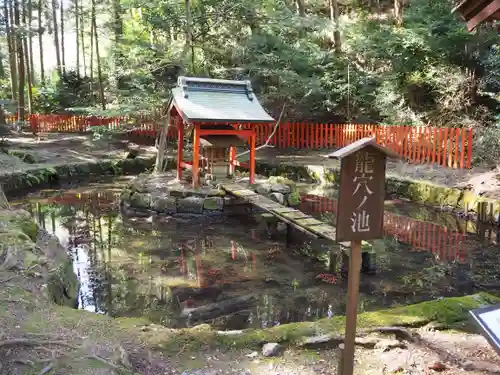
column 449, row 147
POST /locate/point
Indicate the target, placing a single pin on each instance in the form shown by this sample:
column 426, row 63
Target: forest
column 359, row 61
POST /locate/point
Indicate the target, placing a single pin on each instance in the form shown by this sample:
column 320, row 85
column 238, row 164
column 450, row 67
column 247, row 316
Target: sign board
column 488, row 320
column 360, row 214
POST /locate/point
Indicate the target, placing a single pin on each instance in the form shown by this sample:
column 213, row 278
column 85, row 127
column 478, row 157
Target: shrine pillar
column 252, row 159
column 180, row 145
column 196, row 156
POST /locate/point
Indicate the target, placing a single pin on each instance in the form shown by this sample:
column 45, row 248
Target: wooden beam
column 484, row 14
column 470, row 7
column 243, row 133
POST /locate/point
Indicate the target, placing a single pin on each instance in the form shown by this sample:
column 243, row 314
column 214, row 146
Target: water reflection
column 447, row 244
column 233, row 276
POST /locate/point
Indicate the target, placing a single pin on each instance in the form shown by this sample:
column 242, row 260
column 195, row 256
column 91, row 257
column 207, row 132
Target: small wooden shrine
column 213, row 112
column 476, row 12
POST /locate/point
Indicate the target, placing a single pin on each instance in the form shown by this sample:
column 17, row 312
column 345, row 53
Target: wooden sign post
column 360, row 217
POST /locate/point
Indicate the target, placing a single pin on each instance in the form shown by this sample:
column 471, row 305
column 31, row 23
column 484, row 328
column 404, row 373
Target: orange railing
column 450, row 147
column 421, row 235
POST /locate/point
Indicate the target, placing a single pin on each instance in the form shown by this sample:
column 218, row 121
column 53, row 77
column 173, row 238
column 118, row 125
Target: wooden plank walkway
column 289, row 215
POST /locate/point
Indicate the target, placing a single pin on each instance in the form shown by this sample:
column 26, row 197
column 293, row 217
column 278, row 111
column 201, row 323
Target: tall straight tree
column 82, row 38
column 97, row 56
column 11, row 45
column 30, row 41
column 40, row 41
column 77, row 34
column 92, row 9
column 398, row 12
column 118, row 33
column 56, row 37
column 334, row 17
column 27, row 58
column 20, row 61
column 63, row 50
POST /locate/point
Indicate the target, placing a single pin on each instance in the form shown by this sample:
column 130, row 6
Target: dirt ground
column 57, row 149
column 440, row 352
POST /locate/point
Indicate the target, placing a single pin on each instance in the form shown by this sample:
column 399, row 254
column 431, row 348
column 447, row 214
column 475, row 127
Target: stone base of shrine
column 163, row 194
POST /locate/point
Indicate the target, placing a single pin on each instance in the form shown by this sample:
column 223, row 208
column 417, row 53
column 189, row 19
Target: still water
column 232, row 275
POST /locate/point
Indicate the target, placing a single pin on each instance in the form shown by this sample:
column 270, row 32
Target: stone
column 483, row 366
column 278, row 197
column 238, row 209
column 388, row 344
column 293, row 199
column 164, row 204
column 190, row 205
column 264, row 188
column 140, row 200
column 125, row 196
column 271, row 349
column 213, row 203
column 320, row 340
column 437, row 366
column 280, row 188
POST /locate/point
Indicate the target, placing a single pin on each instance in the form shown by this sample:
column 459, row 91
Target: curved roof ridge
column 200, row 99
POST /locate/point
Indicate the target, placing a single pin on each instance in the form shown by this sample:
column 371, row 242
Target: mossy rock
column 26, row 157
column 125, row 196
column 39, row 177
column 281, row 180
column 27, row 226
column 63, row 285
column 450, row 312
column 294, row 198
column 140, row 200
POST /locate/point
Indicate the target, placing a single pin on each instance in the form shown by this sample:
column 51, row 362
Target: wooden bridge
column 291, row 216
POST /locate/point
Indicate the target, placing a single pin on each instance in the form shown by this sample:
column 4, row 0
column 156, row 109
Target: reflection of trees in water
column 130, row 287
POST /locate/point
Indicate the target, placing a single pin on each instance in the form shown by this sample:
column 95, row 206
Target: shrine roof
column 358, row 145
column 475, row 12
column 217, row 100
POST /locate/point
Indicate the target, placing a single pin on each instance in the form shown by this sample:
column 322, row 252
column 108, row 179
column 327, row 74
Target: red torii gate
column 215, row 109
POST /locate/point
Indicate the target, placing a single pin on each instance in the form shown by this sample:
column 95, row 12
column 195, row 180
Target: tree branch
column 266, row 144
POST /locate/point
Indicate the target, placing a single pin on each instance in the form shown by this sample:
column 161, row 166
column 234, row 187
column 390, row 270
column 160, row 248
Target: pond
column 231, row 274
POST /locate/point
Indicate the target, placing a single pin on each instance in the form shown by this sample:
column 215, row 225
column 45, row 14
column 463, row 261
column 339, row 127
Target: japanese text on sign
column 363, row 174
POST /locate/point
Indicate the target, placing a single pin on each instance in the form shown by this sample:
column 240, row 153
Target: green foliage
column 70, row 93
column 487, row 146
column 429, row 71
column 101, row 133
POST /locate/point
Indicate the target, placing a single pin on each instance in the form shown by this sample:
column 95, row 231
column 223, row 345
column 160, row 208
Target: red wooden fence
column 421, row 235
column 450, row 147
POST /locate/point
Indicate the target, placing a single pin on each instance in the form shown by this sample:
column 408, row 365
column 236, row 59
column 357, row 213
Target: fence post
column 469, row 149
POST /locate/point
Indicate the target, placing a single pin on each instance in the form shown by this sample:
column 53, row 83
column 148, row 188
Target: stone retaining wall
column 160, row 194
column 18, row 183
column 461, row 201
